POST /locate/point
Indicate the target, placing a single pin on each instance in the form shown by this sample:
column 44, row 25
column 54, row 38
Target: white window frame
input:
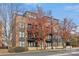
column 21, row 44
column 21, row 25
column 21, row 34
column 31, row 16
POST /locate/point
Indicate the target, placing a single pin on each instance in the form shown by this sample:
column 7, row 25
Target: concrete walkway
column 48, row 50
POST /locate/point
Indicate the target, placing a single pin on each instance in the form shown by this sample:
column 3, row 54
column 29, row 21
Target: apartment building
column 18, row 32
column 1, row 34
column 25, row 27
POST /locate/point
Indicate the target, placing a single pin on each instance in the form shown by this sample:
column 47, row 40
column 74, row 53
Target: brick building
column 1, row 34
column 18, row 35
column 25, row 26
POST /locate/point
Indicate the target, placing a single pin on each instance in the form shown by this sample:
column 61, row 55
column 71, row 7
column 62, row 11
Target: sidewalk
column 48, row 50
column 3, row 51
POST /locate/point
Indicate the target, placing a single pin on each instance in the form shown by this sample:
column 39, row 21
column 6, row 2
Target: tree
column 40, row 27
column 54, row 27
column 65, row 30
column 6, row 13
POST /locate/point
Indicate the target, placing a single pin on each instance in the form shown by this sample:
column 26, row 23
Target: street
column 68, row 54
column 63, row 52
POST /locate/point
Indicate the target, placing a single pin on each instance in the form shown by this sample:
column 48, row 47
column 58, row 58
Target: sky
column 59, row 10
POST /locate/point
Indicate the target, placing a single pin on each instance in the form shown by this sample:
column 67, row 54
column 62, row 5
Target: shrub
column 19, row 49
column 11, row 50
column 74, row 42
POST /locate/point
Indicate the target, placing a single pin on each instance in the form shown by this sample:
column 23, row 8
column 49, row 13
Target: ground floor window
column 48, row 44
column 21, row 44
column 31, row 44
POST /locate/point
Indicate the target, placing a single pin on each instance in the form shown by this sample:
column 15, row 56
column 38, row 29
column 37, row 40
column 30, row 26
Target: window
column 21, row 34
column 49, row 37
column 22, row 39
column 21, row 25
column 32, row 16
column 21, row 44
column 29, row 35
column 29, row 26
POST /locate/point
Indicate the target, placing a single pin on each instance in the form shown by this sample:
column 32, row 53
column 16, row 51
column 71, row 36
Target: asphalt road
column 71, row 54
column 47, row 53
column 77, row 54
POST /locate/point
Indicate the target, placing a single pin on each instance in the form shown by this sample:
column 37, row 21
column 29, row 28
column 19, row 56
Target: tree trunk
column 44, row 44
column 51, row 41
column 26, row 45
column 41, row 44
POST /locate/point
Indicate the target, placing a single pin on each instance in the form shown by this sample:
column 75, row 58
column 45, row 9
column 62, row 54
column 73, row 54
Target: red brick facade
column 29, row 22
column 1, row 34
